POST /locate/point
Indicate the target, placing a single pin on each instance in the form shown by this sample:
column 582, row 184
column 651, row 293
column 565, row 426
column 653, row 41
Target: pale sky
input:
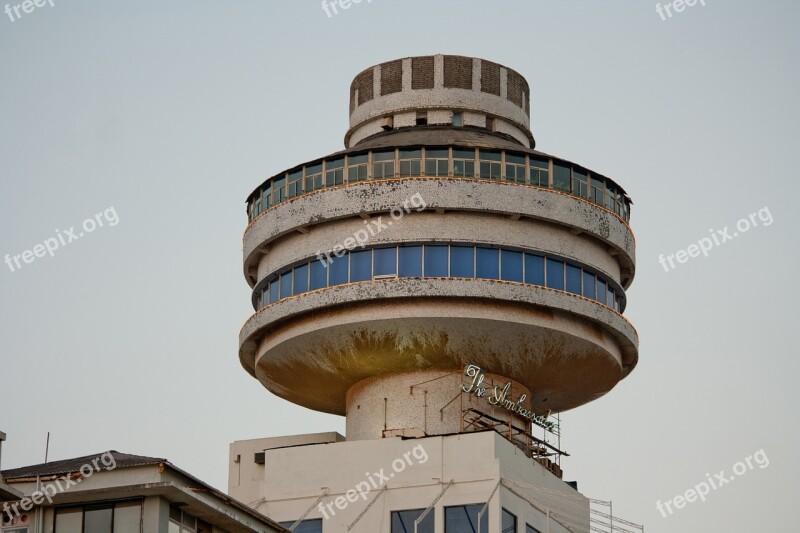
column 171, row 113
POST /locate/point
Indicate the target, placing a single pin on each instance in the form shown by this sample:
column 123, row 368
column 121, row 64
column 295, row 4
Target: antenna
column 47, row 448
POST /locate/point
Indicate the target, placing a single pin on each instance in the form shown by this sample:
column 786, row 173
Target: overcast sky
column 164, row 116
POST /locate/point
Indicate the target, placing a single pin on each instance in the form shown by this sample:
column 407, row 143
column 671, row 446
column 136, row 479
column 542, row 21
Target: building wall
column 295, row 478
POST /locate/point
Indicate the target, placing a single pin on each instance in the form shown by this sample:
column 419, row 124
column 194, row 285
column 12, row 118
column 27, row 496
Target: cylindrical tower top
column 439, row 90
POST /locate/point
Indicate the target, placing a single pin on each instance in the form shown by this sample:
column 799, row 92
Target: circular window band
column 439, row 261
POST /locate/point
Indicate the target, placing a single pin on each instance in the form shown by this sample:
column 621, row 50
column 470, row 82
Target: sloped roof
column 54, row 468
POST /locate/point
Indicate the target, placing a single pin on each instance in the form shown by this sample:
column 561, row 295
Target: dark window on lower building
column 464, row 519
column 530, row 529
column 509, row 522
column 306, row 526
column 403, row 521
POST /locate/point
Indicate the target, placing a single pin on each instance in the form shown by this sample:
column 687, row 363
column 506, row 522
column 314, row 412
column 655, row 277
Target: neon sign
column 499, row 397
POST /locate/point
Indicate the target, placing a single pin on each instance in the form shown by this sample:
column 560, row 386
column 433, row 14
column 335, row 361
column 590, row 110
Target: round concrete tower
column 438, row 246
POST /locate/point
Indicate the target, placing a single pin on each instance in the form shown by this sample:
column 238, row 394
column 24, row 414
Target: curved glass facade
column 455, row 162
column 440, row 261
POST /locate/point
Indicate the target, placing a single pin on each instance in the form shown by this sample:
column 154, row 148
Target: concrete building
column 449, row 289
column 114, row 492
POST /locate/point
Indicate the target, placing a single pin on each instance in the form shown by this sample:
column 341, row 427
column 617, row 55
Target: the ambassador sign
column 499, row 397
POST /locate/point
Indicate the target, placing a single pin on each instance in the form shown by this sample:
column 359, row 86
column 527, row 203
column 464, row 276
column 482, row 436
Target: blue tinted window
column 301, row 279
column 574, row 279
column 488, row 263
column 555, row 274
column 319, row 274
column 338, row 270
column 534, row 269
column 610, row 298
column 385, row 261
column 464, row 519
column 601, row 290
column 462, row 261
column 286, row 284
column 508, row 523
column 588, row 285
column 306, row 526
column 265, row 295
column 511, row 265
column 436, row 261
column 361, row 265
column 410, row 262
column 403, row 521
column 274, row 290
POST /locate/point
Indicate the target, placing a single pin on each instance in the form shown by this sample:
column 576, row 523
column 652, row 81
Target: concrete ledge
column 448, row 194
column 577, row 340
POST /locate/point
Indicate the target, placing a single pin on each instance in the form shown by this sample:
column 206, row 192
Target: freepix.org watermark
column 104, row 462
column 373, row 481
column 372, row 228
column 62, row 238
column 702, row 489
column 331, row 7
column 677, row 5
column 717, row 238
column 28, row 6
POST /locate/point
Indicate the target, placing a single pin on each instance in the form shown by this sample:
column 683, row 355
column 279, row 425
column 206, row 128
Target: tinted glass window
column 601, row 290
column 385, row 261
column 127, row 517
column 410, row 261
column 555, row 274
column 274, row 290
column 97, row 520
column 306, row 526
column 69, row 520
column 462, row 261
column 574, row 279
column 534, row 269
column 464, row 519
column 438, row 153
column 319, row 274
column 383, row 156
column 286, row 284
column 509, row 523
column 361, row 265
column 588, row 285
column 511, row 265
column 301, row 279
column 530, row 529
column 403, row 521
column 561, row 177
column 436, row 262
column 338, row 270
column 487, row 263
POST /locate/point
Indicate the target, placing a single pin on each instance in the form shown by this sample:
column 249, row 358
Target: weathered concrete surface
column 312, row 348
column 311, row 212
